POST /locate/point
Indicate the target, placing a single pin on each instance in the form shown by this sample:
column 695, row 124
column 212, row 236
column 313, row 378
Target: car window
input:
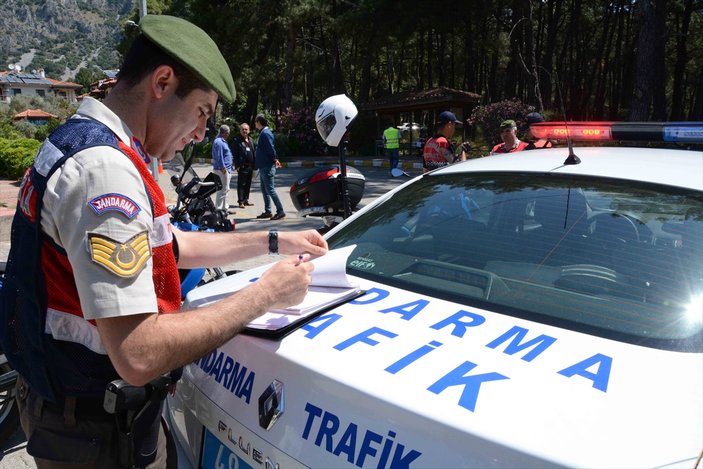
column 614, row 258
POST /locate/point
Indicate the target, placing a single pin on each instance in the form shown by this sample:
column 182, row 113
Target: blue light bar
column 683, row 132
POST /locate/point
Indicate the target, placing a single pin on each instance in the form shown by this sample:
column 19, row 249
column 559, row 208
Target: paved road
column 13, row 453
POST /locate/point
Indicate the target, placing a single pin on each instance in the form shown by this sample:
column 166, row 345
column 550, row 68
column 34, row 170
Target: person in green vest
column 391, row 142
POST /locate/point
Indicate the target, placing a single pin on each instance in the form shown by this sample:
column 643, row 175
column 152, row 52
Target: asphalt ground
column 13, row 454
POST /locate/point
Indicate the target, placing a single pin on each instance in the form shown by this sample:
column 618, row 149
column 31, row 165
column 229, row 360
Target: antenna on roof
column 572, row 158
column 10, row 66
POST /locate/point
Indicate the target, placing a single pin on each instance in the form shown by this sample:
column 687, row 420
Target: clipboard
column 329, row 288
column 294, row 322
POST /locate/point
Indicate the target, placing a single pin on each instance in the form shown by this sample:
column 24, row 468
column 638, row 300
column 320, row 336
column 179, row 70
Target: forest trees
column 610, row 59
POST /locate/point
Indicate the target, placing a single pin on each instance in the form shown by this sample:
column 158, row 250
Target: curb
column 361, row 163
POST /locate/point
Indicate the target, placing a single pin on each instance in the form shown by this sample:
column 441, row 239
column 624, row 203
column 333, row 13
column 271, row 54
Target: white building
column 15, row 83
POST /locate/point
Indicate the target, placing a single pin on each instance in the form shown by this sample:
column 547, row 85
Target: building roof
column 34, row 79
column 20, row 78
column 34, row 114
column 64, row 84
column 413, row 100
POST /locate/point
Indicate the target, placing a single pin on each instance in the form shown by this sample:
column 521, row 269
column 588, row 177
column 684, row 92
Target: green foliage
column 489, row 117
column 8, row 130
column 16, row 156
column 362, row 135
column 203, row 150
column 25, row 128
column 300, row 131
column 43, row 131
column 55, row 105
column 86, row 76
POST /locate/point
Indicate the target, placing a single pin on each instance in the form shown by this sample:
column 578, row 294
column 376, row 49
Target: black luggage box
column 319, row 191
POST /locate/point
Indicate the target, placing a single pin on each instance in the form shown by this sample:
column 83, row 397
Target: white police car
column 518, row 312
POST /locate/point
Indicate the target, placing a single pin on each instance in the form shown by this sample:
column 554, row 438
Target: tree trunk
column 677, row 94
column 646, row 61
column 696, row 113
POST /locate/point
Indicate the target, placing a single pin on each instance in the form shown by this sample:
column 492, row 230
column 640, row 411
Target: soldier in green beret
column 92, row 275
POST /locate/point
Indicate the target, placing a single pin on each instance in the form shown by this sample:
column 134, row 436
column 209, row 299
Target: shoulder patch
column 124, row 259
column 114, row 202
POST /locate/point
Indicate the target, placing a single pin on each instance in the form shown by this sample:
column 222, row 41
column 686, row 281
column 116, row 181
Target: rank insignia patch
column 114, row 202
column 123, row 259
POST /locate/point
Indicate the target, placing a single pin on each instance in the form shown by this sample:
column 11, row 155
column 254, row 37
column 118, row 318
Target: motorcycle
column 194, row 203
column 195, row 211
column 320, row 193
column 9, row 415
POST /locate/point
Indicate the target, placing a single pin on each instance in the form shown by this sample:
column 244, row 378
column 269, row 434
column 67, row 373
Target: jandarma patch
column 124, row 259
column 114, row 202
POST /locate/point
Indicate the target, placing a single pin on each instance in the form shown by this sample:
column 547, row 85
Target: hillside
column 64, row 34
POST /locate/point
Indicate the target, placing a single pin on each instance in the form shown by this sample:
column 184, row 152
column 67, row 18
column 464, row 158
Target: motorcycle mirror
column 187, row 153
column 397, row 172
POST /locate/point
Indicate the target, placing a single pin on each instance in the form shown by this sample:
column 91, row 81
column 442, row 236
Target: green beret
column 508, row 123
column 192, row 47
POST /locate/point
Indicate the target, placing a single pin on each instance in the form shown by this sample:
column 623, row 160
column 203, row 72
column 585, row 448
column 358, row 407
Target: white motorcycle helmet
column 333, row 117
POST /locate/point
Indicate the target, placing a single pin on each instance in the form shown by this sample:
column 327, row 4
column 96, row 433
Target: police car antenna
column 572, row 158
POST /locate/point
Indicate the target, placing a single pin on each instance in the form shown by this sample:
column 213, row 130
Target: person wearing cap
column 439, row 150
column 92, row 286
column 510, row 144
column 532, row 142
column 222, row 165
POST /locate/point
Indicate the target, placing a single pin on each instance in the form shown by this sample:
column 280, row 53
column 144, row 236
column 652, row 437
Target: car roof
column 680, row 168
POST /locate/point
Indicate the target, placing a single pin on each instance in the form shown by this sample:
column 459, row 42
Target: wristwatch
column 273, row 241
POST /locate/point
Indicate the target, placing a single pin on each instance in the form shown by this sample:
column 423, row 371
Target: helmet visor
column 326, row 125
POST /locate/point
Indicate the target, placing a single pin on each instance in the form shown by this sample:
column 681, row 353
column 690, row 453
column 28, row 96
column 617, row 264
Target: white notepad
column 329, row 286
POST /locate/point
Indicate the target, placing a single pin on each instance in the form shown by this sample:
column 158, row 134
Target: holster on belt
column 137, row 411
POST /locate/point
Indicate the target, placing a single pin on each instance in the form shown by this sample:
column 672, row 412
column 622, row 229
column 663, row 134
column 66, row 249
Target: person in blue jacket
column 267, row 163
column 222, row 165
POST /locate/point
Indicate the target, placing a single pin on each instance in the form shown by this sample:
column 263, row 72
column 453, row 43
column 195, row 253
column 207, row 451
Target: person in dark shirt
column 532, row 142
column 244, row 149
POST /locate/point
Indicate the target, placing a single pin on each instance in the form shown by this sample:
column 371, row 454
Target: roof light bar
column 680, row 132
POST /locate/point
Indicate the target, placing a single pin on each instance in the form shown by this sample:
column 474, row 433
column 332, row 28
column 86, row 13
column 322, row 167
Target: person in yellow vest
column 391, row 142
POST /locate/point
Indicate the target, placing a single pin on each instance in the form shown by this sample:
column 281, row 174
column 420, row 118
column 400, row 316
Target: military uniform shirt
column 94, row 175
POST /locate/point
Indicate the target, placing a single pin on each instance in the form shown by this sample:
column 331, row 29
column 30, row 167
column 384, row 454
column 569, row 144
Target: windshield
column 613, row 258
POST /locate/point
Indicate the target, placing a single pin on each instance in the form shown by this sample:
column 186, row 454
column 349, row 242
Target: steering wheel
column 614, row 226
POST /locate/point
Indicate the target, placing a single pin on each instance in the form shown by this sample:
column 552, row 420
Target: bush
column 43, row 131
column 301, row 133
column 489, row 117
column 8, row 130
column 16, row 156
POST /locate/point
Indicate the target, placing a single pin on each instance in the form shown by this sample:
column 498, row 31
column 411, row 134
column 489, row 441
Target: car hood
column 442, row 384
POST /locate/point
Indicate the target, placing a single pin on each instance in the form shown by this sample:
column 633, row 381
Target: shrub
column 25, row 128
column 301, row 132
column 16, row 156
column 489, row 117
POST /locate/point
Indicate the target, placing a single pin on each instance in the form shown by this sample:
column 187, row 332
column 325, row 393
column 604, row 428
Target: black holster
column 137, row 411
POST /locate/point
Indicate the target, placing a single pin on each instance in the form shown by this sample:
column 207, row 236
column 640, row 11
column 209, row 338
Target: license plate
column 216, row 455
